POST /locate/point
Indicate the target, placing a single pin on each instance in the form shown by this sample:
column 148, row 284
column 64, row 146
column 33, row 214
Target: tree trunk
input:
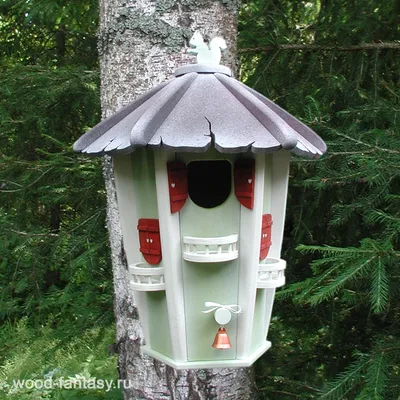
column 141, row 44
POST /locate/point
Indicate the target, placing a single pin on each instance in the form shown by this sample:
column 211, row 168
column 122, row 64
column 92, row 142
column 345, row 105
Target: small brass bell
column 221, row 340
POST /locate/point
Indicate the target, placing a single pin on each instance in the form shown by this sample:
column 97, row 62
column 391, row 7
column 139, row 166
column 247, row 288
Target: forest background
column 334, row 64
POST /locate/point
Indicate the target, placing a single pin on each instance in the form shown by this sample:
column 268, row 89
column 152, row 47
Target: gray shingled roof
column 201, row 106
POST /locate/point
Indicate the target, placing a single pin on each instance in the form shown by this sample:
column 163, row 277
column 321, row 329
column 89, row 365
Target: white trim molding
column 172, row 260
column 124, row 184
column 244, row 362
column 250, row 241
column 280, row 179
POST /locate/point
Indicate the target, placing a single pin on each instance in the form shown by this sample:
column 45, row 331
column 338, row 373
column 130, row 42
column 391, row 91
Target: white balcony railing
column 271, row 273
column 205, row 250
column 146, row 278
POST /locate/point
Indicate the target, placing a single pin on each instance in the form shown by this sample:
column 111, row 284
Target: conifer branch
column 330, row 289
column 380, row 287
column 376, row 377
column 290, row 381
column 280, row 392
column 86, row 220
column 316, row 48
column 349, row 153
column 333, row 250
column 346, row 381
column 33, row 234
column 27, row 186
column 367, row 144
column 318, row 282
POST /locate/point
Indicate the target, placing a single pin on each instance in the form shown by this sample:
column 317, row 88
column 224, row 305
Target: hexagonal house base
column 245, row 362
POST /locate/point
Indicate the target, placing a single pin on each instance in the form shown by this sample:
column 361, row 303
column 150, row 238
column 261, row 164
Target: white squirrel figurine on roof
column 207, row 54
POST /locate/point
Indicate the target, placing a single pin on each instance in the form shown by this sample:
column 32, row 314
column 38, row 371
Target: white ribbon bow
column 233, row 308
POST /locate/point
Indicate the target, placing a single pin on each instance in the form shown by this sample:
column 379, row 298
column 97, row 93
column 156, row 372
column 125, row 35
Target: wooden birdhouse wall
column 137, row 199
column 174, row 326
column 217, row 282
column 258, row 335
column 172, row 260
column 275, row 196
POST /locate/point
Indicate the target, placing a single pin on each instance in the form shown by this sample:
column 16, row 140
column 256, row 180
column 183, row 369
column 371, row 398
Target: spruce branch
column 380, row 287
column 318, row 281
column 376, row 377
column 33, row 234
column 346, row 381
column 367, row 144
column 322, row 48
column 30, row 184
column 330, row 250
column 330, row 289
column 340, row 267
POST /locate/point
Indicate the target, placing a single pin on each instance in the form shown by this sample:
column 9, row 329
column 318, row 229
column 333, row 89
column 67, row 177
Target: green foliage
column 340, row 387
column 370, row 372
column 56, row 292
column 344, row 208
column 351, row 268
column 42, row 355
column 335, row 330
column 48, row 32
column 52, row 201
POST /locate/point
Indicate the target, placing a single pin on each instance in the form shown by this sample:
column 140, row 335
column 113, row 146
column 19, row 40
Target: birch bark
column 141, row 43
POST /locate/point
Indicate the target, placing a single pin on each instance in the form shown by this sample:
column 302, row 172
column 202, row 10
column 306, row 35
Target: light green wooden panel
column 258, row 332
column 216, row 282
column 267, row 185
column 210, row 222
column 160, row 337
column 144, row 185
column 209, row 282
column 144, row 182
column 223, row 220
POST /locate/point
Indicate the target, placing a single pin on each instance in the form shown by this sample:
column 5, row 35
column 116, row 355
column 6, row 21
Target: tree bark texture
column 141, row 43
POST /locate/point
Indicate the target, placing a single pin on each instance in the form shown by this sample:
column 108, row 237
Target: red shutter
column 150, row 242
column 244, row 182
column 265, row 235
column 177, row 182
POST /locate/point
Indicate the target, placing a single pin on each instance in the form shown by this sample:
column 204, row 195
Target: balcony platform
column 271, row 273
column 146, row 278
column 210, row 250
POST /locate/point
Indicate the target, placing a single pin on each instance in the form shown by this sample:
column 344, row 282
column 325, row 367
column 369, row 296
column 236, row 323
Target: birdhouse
column 201, row 166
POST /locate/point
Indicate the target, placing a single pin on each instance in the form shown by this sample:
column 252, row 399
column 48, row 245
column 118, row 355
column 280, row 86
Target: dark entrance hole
column 209, row 182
